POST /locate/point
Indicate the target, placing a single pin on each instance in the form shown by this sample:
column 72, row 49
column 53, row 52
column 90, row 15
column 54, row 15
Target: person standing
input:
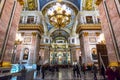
column 43, row 71
column 117, row 73
column 103, row 72
column 38, row 69
column 94, row 70
column 83, row 68
column 78, row 71
column 110, row 73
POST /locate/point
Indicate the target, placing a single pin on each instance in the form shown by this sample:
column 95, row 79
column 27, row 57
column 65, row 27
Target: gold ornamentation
column 88, row 27
column 34, row 33
column 85, row 34
column 89, row 5
column 98, row 2
column 60, row 16
column 21, row 2
column 31, row 4
column 97, row 33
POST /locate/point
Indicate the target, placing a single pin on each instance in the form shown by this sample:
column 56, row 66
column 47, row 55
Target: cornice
column 31, row 27
column 88, row 27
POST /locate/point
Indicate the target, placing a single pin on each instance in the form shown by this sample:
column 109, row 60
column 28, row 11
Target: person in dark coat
column 110, row 74
column 38, row 69
column 83, row 68
column 117, row 74
column 43, row 71
column 78, row 71
column 103, row 72
column 74, row 70
column 94, row 70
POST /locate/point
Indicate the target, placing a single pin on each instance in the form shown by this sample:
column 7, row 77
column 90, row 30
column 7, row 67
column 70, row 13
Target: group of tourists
column 111, row 73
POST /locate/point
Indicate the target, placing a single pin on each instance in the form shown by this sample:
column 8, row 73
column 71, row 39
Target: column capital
column 97, row 33
column 85, row 34
column 34, row 33
column 22, row 33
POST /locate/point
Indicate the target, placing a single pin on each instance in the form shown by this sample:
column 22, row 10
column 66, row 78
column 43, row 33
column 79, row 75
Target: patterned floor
column 67, row 74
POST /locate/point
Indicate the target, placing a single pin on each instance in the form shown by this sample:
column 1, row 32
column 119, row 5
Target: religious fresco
column 94, row 54
column 88, row 5
column 26, row 54
column 75, row 2
column 31, row 4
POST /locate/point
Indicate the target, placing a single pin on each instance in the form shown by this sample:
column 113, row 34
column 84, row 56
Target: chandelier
column 59, row 15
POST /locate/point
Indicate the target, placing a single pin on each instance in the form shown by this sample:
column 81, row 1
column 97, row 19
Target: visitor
column 43, row 71
column 94, row 70
column 110, row 73
column 102, row 72
column 38, row 69
column 78, row 71
column 117, row 73
column 83, row 68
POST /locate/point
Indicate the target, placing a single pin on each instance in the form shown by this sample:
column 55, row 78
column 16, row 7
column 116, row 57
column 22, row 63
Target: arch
column 54, row 29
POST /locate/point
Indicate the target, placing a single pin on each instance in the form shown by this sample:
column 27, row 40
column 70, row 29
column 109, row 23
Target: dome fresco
column 59, row 14
column 75, row 2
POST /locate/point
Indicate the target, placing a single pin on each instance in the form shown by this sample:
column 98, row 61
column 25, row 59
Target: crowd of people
column 111, row 73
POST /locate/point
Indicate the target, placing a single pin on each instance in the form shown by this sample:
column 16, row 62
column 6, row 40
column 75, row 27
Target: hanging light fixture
column 59, row 15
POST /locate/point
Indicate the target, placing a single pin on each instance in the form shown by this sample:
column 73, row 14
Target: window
column 30, row 19
column 21, row 18
column 73, row 40
column 46, row 40
column 89, row 19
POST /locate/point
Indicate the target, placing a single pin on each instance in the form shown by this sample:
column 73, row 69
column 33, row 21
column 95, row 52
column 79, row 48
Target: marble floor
column 67, row 74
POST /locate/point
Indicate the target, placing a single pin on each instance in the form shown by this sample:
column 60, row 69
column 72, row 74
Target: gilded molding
column 88, row 27
column 97, row 2
column 31, row 27
column 34, row 33
column 21, row 2
column 97, row 33
column 85, row 34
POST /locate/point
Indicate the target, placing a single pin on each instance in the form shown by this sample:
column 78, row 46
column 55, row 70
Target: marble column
column 85, row 50
column 35, row 45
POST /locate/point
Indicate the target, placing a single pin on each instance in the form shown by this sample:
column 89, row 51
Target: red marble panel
column 105, row 27
column 15, row 22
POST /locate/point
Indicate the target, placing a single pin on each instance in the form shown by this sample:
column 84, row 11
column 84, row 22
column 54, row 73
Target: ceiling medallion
column 59, row 15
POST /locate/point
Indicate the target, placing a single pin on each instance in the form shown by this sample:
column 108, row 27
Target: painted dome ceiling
column 59, row 14
column 73, row 2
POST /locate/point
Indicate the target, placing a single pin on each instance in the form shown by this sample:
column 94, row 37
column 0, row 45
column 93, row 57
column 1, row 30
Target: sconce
column 101, row 39
column 18, row 41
